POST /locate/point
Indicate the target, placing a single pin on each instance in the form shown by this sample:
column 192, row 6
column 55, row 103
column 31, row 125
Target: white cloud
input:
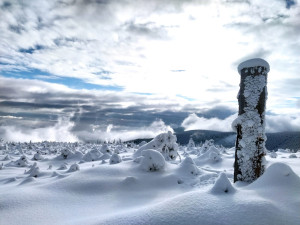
column 194, row 122
column 274, row 123
column 61, row 131
column 125, row 133
column 142, row 45
column 280, row 123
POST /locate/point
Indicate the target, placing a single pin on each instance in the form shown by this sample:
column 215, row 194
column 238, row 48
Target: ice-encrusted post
column 250, row 124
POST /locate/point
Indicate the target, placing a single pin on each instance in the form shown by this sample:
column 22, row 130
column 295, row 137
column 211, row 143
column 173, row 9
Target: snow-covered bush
column 22, row 162
column 74, row 167
column 65, row 153
column 37, row 156
column 104, row 149
column 191, row 143
column 105, row 156
column 207, row 144
column 114, row 159
column 63, row 166
column 273, row 154
column 222, row 185
column 6, row 158
column 34, row 172
column 92, row 155
column 152, row 160
column 188, row 166
column 165, row 143
column 212, row 155
column 292, row 156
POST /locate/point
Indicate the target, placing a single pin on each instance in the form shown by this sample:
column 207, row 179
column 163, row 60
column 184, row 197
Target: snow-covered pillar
column 250, row 124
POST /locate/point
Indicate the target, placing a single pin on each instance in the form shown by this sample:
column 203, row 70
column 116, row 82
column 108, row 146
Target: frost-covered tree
column 250, row 124
column 165, row 143
column 191, row 143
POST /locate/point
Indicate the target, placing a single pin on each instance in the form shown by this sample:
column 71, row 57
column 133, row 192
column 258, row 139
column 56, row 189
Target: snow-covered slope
column 196, row 189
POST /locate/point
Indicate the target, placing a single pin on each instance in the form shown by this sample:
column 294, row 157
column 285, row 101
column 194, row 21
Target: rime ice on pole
column 250, row 124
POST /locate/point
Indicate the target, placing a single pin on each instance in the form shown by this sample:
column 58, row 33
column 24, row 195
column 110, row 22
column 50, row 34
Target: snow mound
column 222, row 185
column 254, row 63
column 188, row 167
column 114, row 159
column 152, row 160
column 278, row 174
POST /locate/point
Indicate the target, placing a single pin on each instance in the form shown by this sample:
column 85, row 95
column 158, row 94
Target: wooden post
column 250, row 124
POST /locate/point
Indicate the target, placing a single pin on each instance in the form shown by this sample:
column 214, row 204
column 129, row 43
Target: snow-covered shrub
column 6, row 158
column 165, row 143
column 37, row 156
column 222, row 185
column 214, row 156
column 292, row 156
column 74, row 167
column 105, row 156
column 65, row 153
column 104, row 149
column 92, row 155
column 211, row 155
column 22, row 162
column 114, row 159
column 207, row 144
column 273, row 154
column 152, row 160
column 188, row 166
column 34, row 172
column 191, row 143
column 63, row 166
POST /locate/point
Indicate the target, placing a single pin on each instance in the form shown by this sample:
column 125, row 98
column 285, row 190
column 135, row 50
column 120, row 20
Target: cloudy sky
column 102, row 69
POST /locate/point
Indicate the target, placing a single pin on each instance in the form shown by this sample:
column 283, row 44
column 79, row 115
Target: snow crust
column 256, row 62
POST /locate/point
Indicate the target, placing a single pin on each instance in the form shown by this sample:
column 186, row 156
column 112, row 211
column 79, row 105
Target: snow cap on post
column 254, row 63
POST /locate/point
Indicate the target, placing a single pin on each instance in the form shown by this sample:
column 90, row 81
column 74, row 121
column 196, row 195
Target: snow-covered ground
column 76, row 183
